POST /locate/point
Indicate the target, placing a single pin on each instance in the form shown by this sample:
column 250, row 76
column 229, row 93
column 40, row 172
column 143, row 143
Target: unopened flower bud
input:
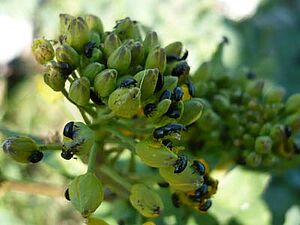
column 78, row 34
column 86, row 193
column 156, row 59
column 42, row 50
column 22, row 149
column 94, row 23
column 92, row 70
column 263, row 144
column 174, row 49
column 125, row 102
column 65, row 53
column 147, row 80
column 293, row 103
column 54, row 78
column 275, row 95
column 120, row 59
column 80, row 91
column 192, row 111
column 150, row 42
column 137, row 53
column 127, row 29
column 111, row 43
column 294, row 121
column 65, row 20
column 105, row 82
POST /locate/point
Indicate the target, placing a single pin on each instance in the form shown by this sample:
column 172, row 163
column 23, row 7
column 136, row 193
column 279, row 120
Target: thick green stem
column 50, row 147
column 92, row 158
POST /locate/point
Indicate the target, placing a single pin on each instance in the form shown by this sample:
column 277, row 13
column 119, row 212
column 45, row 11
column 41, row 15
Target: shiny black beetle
column 127, row 83
column 180, row 163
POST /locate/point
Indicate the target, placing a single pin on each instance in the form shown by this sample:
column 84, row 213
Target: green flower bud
column 147, row 202
column 174, row 49
column 294, row 121
column 263, row 144
column 156, row 59
column 192, row 111
column 54, row 78
column 79, row 91
column 155, row 154
column 95, row 37
column 137, row 53
column 170, row 82
column 97, row 56
column 255, row 88
column 120, row 59
column 125, row 102
column 86, row 193
column 42, row 50
column 105, row 82
column 127, row 29
column 187, row 180
column 150, row 42
column 65, row 53
column 78, row 34
column 147, row 80
column 275, row 95
column 92, row 70
column 221, row 103
column 111, row 43
column 253, row 159
column 293, row 103
column 161, row 109
column 65, row 20
column 94, row 23
column 277, row 134
column 20, row 148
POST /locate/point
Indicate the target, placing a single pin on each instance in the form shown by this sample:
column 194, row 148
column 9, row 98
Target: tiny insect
column 177, row 94
column 67, row 195
column 163, row 184
column 181, row 68
column 201, row 192
column 171, row 58
column 205, row 206
column 191, row 87
column 287, row 131
column 167, row 143
column 127, row 83
column 69, row 130
column 64, row 68
column 35, row 157
column 199, row 167
column 95, row 98
column 168, row 129
column 67, row 155
column 149, row 108
column 156, row 210
column 88, row 48
column 159, row 83
column 167, row 94
column 173, row 112
column 175, row 200
column 180, row 163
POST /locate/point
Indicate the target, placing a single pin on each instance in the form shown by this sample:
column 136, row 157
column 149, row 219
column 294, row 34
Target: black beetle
column 173, row 112
column 88, row 49
column 163, row 184
column 180, row 163
column 67, row 195
column 177, row 94
column 175, row 200
column 159, row 83
column 185, row 55
column 181, row 68
column 65, row 68
column 149, row 108
column 199, row 167
column 205, row 206
column 167, row 143
column 127, row 83
column 95, row 98
column 35, row 157
column 200, row 192
column 67, row 155
column 171, row 58
column 69, row 130
column 167, row 94
column 168, row 129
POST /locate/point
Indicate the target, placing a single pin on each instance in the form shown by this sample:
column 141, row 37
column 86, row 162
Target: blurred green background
column 264, row 37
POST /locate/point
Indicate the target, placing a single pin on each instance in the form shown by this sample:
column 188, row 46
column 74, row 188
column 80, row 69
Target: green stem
column 130, row 144
column 50, row 147
column 92, row 158
column 85, row 118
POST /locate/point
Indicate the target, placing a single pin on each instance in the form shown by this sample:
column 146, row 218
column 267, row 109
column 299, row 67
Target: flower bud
column 127, row 29
column 79, row 91
column 147, row 202
column 294, row 121
column 150, row 42
column 170, row 82
column 105, row 82
column 155, row 154
column 65, row 20
column 255, row 88
column 147, row 80
column 277, row 134
column 253, row 159
column 192, row 111
column 42, row 50
column 94, row 24
column 86, row 193
column 125, row 102
column 293, row 103
column 174, row 49
column 78, row 34
column 275, row 95
column 54, row 78
column 22, row 149
column 263, row 144
column 65, row 53
column 92, row 70
column 111, row 43
column 156, row 59
column 137, row 53
column 120, row 59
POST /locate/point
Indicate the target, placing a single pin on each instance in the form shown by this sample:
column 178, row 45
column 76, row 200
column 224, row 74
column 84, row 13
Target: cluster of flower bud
column 246, row 117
